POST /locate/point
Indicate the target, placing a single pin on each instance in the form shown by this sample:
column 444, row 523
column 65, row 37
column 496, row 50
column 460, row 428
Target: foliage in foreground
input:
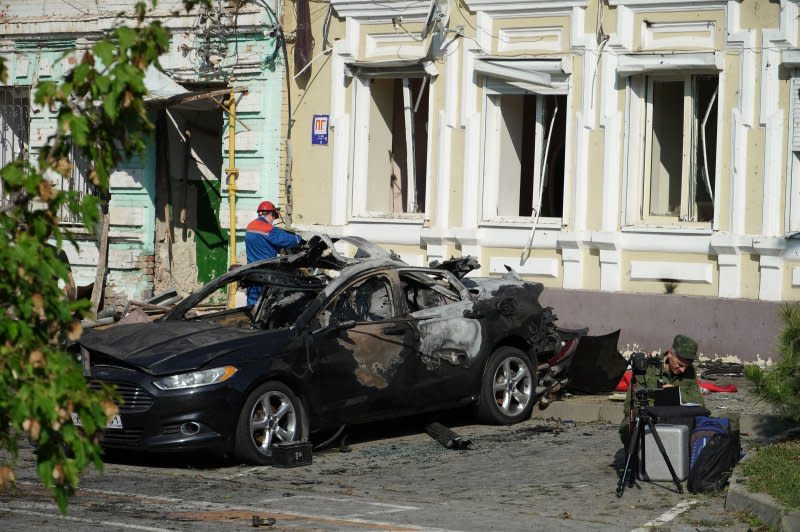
column 780, row 384
column 775, row 470
column 100, row 111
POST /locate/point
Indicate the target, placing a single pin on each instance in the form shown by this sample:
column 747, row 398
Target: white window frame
column 490, row 151
column 637, row 143
column 793, row 182
column 359, row 156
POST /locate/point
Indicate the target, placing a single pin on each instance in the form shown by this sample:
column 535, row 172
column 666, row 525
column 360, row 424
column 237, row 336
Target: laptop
column 670, row 396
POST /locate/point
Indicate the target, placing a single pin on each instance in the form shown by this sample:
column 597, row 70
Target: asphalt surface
column 556, row 471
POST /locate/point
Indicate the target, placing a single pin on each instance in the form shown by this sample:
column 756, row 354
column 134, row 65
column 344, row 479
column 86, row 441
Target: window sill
column 668, row 229
column 516, row 222
column 409, row 219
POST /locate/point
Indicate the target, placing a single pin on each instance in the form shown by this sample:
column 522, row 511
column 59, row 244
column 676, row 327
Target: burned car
column 344, row 332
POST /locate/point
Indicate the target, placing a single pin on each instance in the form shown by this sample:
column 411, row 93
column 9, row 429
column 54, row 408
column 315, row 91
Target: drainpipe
column 233, row 173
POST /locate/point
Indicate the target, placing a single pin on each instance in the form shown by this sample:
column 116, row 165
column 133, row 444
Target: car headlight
column 195, row 378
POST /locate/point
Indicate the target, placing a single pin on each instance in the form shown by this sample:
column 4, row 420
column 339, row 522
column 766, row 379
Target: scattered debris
column 447, row 437
column 260, row 521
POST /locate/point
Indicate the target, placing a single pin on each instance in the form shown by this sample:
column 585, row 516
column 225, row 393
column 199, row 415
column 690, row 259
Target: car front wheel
column 507, row 387
column 272, row 414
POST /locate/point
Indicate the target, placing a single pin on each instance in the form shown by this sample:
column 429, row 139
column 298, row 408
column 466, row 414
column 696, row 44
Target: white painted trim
column 790, row 58
column 359, row 151
column 395, row 45
column 472, row 174
column 771, row 279
column 540, row 39
column 678, row 35
column 774, row 162
column 572, row 260
column 795, row 276
column 632, row 64
column 738, row 200
column 680, row 271
column 413, row 10
column 533, row 266
column 526, row 7
column 669, row 5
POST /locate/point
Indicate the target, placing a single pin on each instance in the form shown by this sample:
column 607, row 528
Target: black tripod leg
column 661, row 448
column 633, row 446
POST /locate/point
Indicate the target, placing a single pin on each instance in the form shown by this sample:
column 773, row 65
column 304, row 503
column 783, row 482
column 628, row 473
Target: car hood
column 166, row 347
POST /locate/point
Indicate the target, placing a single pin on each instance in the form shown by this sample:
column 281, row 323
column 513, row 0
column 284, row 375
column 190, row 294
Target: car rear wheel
column 507, row 387
column 272, row 414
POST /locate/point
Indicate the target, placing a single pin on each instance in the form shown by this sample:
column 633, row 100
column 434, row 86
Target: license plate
column 114, row 423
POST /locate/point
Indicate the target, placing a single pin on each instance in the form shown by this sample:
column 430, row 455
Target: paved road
column 538, row 475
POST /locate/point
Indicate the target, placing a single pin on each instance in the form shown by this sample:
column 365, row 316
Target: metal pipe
column 233, row 173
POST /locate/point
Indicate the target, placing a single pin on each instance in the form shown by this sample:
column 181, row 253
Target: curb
column 766, row 508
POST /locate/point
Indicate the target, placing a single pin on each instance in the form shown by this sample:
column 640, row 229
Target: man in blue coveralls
column 263, row 241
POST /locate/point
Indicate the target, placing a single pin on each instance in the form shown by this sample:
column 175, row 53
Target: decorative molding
column 532, row 7
column 533, row 266
column 414, row 10
column 631, row 64
column 396, row 45
column 678, row 35
column 669, row 5
column 545, row 39
column 680, row 271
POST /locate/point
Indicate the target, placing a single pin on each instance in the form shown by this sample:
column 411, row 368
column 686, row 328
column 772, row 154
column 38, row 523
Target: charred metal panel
column 376, row 356
column 448, row 336
column 511, row 308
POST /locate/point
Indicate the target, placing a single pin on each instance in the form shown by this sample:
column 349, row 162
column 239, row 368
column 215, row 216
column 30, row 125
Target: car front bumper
column 154, row 420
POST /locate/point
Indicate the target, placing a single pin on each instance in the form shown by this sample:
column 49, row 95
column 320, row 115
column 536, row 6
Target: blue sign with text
column 319, row 129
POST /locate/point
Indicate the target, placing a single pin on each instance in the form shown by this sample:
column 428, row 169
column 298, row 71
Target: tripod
column 636, row 443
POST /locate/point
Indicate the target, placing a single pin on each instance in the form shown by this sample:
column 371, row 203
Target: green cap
column 685, row 347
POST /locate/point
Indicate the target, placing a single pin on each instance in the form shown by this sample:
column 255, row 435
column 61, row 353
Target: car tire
column 507, row 387
column 272, row 414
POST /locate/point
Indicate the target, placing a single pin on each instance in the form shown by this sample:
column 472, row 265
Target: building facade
column 169, row 210
column 611, row 147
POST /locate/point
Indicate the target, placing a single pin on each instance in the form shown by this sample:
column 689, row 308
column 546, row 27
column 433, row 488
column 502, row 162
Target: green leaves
column 99, row 109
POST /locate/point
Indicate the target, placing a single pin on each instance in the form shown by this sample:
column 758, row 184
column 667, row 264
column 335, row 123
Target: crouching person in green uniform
column 676, row 369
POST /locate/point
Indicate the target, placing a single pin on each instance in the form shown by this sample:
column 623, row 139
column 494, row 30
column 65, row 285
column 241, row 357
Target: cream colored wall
column 659, row 287
column 750, row 276
column 759, row 14
column 792, row 293
column 643, row 19
column 310, row 94
column 487, row 253
column 312, row 174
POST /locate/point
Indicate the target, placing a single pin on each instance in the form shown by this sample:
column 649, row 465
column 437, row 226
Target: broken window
column 391, row 149
column 366, row 301
column 524, row 147
column 424, row 290
column 14, row 126
column 680, row 148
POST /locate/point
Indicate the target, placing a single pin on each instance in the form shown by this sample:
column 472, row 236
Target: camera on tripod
column 641, row 361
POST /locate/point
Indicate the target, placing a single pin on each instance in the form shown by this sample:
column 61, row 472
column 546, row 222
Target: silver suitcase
column 676, row 442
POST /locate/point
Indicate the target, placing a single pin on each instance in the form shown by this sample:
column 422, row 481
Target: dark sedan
column 344, row 332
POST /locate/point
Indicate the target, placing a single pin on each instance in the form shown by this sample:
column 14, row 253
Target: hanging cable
column 526, row 252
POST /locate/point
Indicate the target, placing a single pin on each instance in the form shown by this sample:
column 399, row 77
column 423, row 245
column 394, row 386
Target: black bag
column 714, row 465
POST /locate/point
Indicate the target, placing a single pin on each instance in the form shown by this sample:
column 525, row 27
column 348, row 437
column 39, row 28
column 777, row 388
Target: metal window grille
column 79, row 181
column 15, row 113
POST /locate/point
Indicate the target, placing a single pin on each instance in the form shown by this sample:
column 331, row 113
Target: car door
column 359, row 351
column 449, row 343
